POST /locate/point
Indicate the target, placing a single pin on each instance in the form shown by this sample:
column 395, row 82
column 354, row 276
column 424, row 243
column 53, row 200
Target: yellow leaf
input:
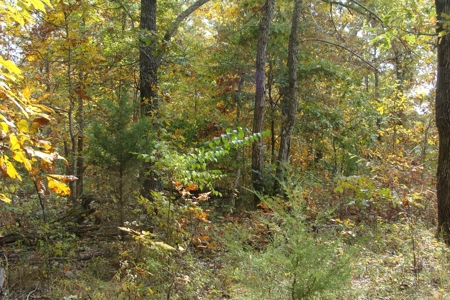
column 19, row 156
column 8, row 169
column 58, row 187
column 43, row 97
column 10, row 66
column 164, row 246
column 14, row 142
column 4, row 129
column 23, row 126
column 26, row 92
column 34, row 127
column 4, row 198
column 44, row 108
column 44, row 145
column 48, row 3
column 38, row 5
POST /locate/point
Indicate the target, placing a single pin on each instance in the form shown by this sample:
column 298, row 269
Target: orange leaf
column 26, row 92
column 205, row 237
column 192, row 187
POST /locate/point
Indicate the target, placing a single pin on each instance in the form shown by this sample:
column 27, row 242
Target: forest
column 240, row 149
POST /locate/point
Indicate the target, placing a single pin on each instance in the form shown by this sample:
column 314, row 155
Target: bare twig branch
column 345, row 48
column 29, row 294
column 351, row 7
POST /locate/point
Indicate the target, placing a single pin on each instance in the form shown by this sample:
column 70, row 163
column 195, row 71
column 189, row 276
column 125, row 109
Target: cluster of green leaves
column 363, row 191
column 193, row 166
column 113, row 142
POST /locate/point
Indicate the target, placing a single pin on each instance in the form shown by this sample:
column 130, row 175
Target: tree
column 22, row 117
column 443, row 118
column 260, row 97
column 114, row 144
column 150, row 57
column 289, row 101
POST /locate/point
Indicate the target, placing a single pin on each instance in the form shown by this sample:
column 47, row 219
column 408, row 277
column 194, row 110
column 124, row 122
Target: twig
column 350, row 7
column 345, row 48
column 41, row 202
column 334, row 24
column 29, row 294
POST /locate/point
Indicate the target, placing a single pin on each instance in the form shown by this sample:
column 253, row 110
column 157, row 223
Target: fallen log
column 14, row 237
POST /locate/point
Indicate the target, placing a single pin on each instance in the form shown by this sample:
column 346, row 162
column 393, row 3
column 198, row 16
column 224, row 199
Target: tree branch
column 180, row 18
column 368, row 10
column 127, row 12
column 348, row 6
column 345, row 48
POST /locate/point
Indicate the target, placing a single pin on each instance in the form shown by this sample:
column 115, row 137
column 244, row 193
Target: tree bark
column 289, row 101
column 148, row 66
column 258, row 118
column 443, row 120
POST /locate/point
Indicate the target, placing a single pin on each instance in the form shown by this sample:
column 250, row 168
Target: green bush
column 284, row 258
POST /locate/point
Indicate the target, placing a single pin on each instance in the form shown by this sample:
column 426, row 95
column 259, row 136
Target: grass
column 397, row 262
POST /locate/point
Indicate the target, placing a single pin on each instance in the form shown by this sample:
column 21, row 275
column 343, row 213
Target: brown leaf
column 42, row 121
column 63, row 178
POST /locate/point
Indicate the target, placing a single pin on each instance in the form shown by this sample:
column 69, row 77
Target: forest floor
column 391, row 260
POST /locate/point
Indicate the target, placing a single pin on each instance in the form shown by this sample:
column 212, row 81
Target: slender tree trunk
column 289, row 101
column 443, row 120
column 258, row 119
column 70, row 150
column 273, row 108
column 234, row 188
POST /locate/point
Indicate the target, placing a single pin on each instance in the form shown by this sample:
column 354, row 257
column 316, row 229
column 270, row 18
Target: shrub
column 285, row 258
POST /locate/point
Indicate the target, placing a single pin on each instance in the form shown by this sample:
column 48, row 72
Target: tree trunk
column 443, row 120
column 148, row 66
column 258, row 119
column 150, row 55
column 71, row 149
column 148, row 84
column 289, row 101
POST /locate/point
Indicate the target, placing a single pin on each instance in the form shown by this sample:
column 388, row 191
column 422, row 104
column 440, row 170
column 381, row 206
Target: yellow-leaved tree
column 22, row 116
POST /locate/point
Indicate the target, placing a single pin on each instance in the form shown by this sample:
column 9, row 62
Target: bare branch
column 348, row 6
column 345, row 48
column 368, row 10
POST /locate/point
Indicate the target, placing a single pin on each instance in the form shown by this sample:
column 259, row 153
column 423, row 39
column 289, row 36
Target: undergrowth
column 312, row 243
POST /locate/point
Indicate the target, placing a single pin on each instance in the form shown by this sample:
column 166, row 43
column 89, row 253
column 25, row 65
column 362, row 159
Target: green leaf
column 241, row 133
column 338, row 189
